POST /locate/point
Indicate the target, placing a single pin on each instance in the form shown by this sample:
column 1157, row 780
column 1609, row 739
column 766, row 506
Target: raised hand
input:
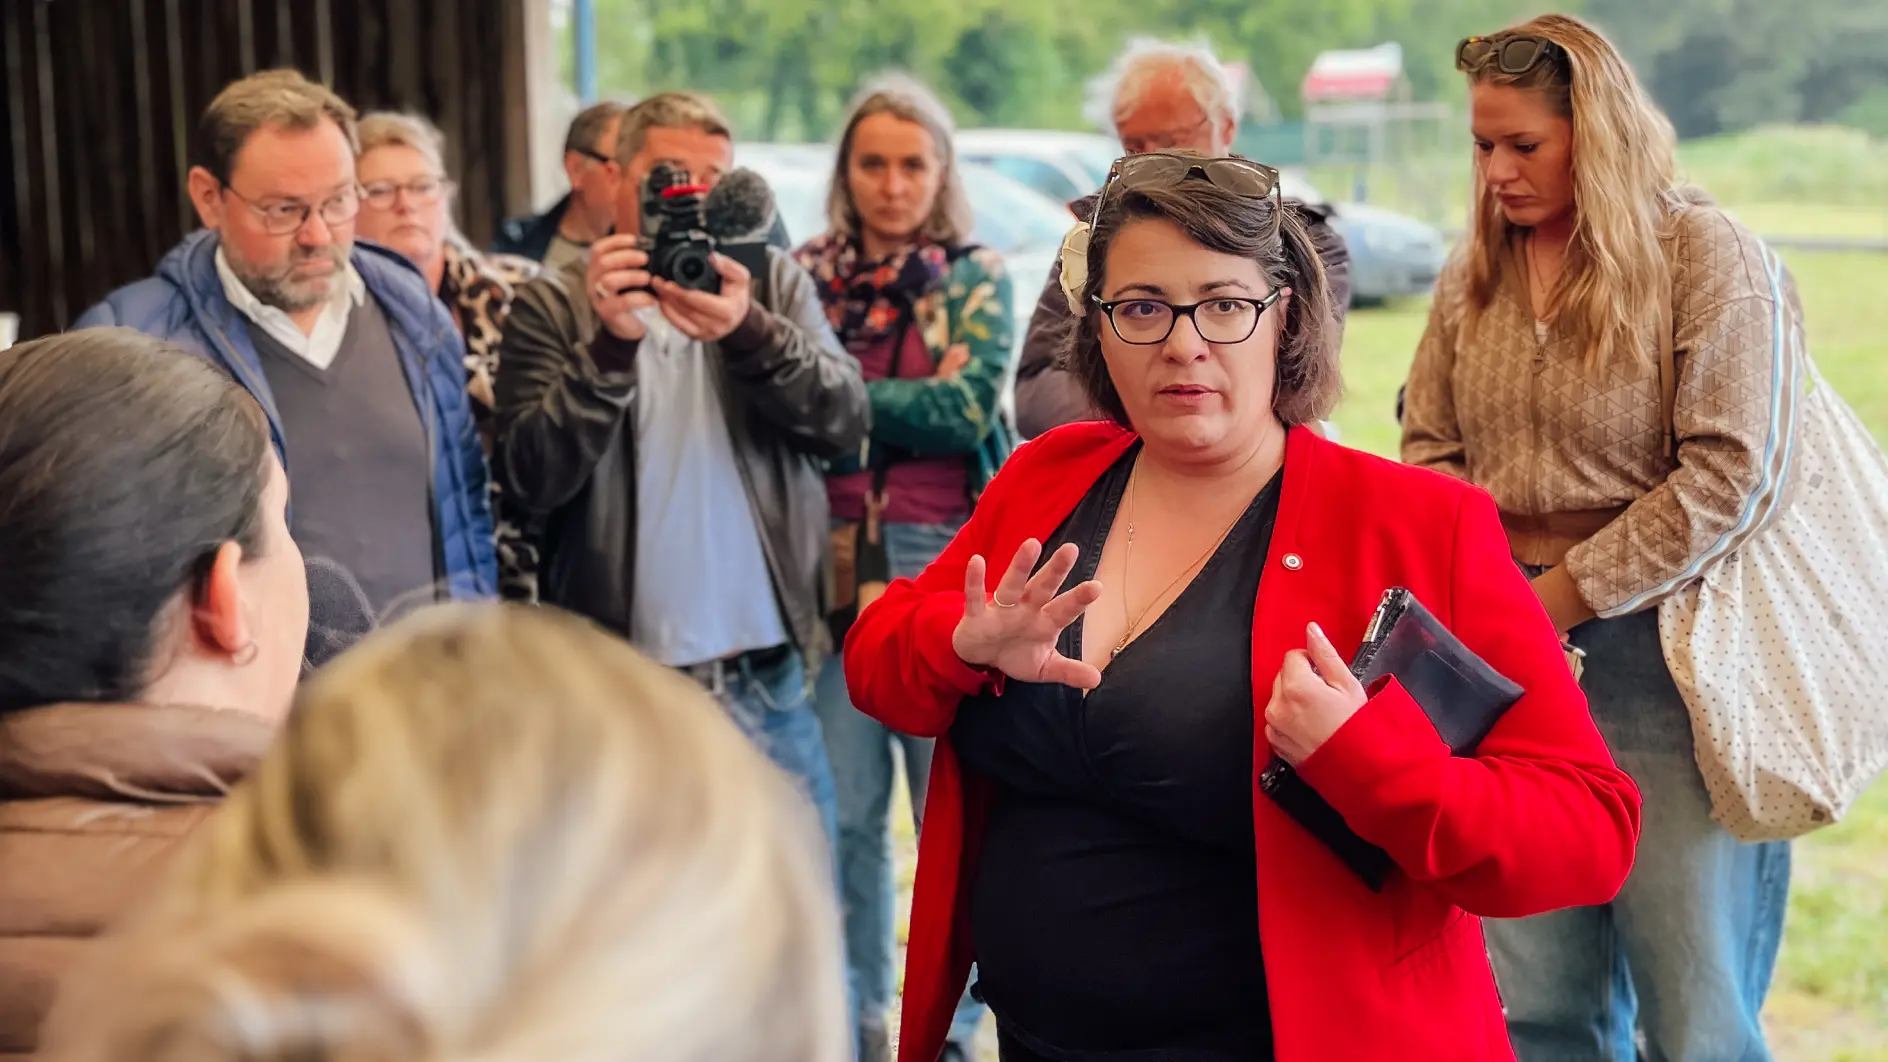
column 1314, row 695
column 1014, row 630
column 617, row 282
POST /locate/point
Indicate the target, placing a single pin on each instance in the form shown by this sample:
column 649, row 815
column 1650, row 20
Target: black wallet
column 1456, row 689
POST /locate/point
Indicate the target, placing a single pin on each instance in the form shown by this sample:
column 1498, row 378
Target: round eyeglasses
column 283, row 217
column 1145, row 322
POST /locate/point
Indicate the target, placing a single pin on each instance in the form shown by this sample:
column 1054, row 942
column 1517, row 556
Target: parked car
column 1062, row 165
column 1391, row 253
column 1014, row 220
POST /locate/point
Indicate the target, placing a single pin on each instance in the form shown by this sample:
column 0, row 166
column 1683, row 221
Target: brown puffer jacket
column 93, row 800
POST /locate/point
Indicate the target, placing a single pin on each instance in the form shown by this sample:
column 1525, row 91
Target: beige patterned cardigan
column 1527, row 421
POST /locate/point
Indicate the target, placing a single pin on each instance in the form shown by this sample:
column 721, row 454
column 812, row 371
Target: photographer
column 671, row 440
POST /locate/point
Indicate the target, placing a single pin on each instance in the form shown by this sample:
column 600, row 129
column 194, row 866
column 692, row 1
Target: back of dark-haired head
column 124, row 464
column 1308, row 380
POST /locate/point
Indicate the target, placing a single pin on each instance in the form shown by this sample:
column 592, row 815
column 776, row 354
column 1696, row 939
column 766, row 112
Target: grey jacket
column 566, row 441
column 1048, row 396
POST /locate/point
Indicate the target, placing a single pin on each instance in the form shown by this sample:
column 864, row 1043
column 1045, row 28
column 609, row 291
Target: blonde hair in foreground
column 495, row 833
column 1623, row 171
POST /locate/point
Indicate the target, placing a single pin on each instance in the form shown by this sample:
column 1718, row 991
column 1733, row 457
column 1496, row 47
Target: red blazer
column 1540, row 819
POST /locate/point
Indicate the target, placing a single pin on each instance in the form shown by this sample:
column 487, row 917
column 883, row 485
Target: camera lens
column 691, row 266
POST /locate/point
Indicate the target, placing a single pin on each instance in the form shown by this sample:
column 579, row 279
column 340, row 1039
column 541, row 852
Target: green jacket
column 930, row 416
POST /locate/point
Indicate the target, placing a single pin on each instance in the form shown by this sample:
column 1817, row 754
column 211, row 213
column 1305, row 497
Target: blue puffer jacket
column 184, row 304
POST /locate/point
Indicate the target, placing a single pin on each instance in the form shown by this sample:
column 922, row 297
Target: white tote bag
column 1781, row 650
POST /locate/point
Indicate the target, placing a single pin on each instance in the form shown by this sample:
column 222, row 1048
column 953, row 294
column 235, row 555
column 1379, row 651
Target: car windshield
column 1012, row 217
column 799, row 196
column 1096, row 161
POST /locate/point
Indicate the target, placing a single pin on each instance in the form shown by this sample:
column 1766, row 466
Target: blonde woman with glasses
column 1602, row 358
column 488, row 832
column 406, row 205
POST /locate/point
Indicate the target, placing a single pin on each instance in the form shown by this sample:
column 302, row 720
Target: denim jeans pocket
column 1635, row 703
column 910, row 548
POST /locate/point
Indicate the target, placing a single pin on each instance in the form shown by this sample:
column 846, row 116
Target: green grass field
column 1830, row 999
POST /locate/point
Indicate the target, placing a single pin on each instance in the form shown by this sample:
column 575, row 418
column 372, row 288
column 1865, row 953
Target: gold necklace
column 1538, row 289
column 1127, row 563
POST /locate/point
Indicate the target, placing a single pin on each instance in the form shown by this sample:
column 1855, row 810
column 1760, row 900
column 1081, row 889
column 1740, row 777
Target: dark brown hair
column 270, row 97
column 124, row 464
column 1308, row 382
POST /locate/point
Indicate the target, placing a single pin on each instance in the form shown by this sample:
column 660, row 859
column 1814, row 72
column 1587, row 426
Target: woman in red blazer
column 1183, row 588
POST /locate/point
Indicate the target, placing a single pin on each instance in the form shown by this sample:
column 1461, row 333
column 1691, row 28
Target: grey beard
column 279, row 289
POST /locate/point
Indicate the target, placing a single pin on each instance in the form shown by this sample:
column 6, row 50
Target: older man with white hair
column 1159, row 96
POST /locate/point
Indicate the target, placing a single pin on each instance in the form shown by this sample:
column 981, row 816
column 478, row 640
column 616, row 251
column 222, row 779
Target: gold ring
column 602, row 292
column 1003, row 604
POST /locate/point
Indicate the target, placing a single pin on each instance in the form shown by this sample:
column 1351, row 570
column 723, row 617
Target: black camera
column 674, row 230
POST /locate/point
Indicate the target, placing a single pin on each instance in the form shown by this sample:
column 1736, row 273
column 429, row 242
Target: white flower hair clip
column 1075, row 267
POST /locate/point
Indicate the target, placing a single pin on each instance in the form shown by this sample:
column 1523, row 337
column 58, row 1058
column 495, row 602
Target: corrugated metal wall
column 98, row 99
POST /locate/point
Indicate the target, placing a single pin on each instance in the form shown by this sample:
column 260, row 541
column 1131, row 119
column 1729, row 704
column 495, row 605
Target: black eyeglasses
column 1164, row 169
column 593, row 155
column 1145, row 322
column 1512, row 53
column 285, row 216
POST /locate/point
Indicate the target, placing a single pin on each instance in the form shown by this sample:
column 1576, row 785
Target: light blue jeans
column 1684, row 955
column 770, row 703
column 860, row 748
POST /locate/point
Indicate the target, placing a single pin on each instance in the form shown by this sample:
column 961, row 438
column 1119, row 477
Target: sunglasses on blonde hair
column 1512, row 54
column 1161, row 169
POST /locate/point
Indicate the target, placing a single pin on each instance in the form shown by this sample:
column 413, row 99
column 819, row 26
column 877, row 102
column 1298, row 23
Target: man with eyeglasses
column 1160, row 97
column 562, row 234
column 355, row 363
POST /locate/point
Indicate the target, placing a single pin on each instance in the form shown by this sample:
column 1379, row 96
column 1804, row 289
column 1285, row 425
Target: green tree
column 785, row 68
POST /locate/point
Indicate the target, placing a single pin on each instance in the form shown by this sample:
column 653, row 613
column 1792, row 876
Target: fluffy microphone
column 740, row 208
column 339, row 613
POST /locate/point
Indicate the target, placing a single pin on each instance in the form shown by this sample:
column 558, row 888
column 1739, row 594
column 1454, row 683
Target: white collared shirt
column 320, row 346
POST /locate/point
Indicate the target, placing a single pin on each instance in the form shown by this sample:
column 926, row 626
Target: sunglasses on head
column 1161, row 169
column 1511, row 53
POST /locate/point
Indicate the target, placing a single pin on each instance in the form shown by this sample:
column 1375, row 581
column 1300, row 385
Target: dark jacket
column 94, row 799
column 1048, row 396
column 566, row 441
column 530, row 236
column 184, row 304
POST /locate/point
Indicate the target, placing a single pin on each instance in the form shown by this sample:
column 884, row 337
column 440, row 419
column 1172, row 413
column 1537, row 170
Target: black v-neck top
column 1115, row 907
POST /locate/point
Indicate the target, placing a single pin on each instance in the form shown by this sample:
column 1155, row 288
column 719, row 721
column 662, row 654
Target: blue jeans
column 861, row 750
column 1684, row 955
column 769, row 701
